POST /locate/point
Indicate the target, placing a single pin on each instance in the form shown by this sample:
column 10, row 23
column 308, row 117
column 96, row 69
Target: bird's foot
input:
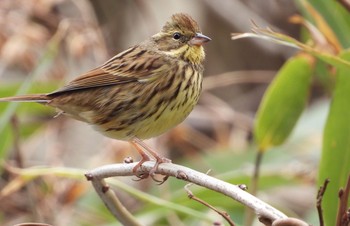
column 140, row 146
column 152, row 172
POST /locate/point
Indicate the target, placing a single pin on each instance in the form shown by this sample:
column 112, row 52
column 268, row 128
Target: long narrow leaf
column 335, row 161
column 283, row 102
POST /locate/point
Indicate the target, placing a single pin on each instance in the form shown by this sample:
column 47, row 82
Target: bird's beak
column 199, row 39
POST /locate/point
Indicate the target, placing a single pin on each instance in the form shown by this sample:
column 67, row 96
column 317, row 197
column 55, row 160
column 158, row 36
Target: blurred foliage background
column 45, row 43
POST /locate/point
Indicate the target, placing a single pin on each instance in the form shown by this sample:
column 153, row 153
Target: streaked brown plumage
column 141, row 92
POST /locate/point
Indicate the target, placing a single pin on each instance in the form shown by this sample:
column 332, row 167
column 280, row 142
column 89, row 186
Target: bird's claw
column 152, row 173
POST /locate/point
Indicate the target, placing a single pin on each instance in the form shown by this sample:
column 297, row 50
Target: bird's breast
column 159, row 108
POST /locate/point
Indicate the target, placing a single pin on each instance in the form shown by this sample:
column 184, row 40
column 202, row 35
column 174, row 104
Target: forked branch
column 261, row 209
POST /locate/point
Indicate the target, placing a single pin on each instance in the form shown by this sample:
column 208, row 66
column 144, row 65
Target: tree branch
column 113, row 203
column 97, row 175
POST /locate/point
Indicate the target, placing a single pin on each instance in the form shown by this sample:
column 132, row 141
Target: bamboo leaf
column 336, row 16
column 335, row 160
column 283, row 102
column 322, row 25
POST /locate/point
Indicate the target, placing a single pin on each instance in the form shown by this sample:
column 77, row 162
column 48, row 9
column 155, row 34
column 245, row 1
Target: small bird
column 140, row 93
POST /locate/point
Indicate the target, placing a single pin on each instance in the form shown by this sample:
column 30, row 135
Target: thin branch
column 261, row 208
column 16, row 140
column 112, row 202
column 343, row 215
column 320, row 194
column 221, row 213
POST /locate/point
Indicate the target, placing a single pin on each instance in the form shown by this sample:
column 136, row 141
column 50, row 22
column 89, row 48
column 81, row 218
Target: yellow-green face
column 181, row 38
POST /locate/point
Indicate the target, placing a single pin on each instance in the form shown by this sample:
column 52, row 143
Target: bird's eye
column 177, row 36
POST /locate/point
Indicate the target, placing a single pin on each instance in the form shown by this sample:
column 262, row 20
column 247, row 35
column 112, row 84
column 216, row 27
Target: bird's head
column 181, row 38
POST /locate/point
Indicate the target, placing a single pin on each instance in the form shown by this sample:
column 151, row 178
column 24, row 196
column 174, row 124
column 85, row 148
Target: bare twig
column 221, row 213
column 112, row 202
column 237, row 77
column 260, row 208
column 320, row 194
column 343, row 217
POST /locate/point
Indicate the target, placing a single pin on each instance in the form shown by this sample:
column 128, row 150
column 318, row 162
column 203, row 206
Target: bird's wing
column 132, row 65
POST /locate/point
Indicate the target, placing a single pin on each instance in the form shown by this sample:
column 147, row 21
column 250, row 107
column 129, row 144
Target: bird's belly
column 160, row 120
column 166, row 119
column 151, row 127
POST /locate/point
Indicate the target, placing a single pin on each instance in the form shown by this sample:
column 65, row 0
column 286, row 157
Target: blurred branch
column 47, row 58
column 232, row 12
column 16, row 140
column 97, row 176
column 237, row 77
column 345, row 4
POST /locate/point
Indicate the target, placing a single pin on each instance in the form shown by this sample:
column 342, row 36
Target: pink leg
column 144, row 158
column 137, row 143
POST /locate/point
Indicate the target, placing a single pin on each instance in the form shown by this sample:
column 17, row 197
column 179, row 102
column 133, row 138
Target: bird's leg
column 159, row 160
column 144, row 158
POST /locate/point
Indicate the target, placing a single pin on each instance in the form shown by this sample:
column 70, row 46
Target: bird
column 141, row 92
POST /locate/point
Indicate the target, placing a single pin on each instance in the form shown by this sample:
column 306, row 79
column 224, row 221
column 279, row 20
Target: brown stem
column 16, row 140
column 221, row 213
column 320, row 194
column 343, row 213
column 249, row 217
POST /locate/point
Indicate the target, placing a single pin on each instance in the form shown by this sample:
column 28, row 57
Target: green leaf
column 336, row 16
column 335, row 161
column 283, row 102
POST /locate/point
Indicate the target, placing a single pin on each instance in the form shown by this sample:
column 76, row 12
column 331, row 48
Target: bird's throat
column 194, row 54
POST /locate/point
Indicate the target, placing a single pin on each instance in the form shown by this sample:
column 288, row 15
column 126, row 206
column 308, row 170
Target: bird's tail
column 39, row 98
